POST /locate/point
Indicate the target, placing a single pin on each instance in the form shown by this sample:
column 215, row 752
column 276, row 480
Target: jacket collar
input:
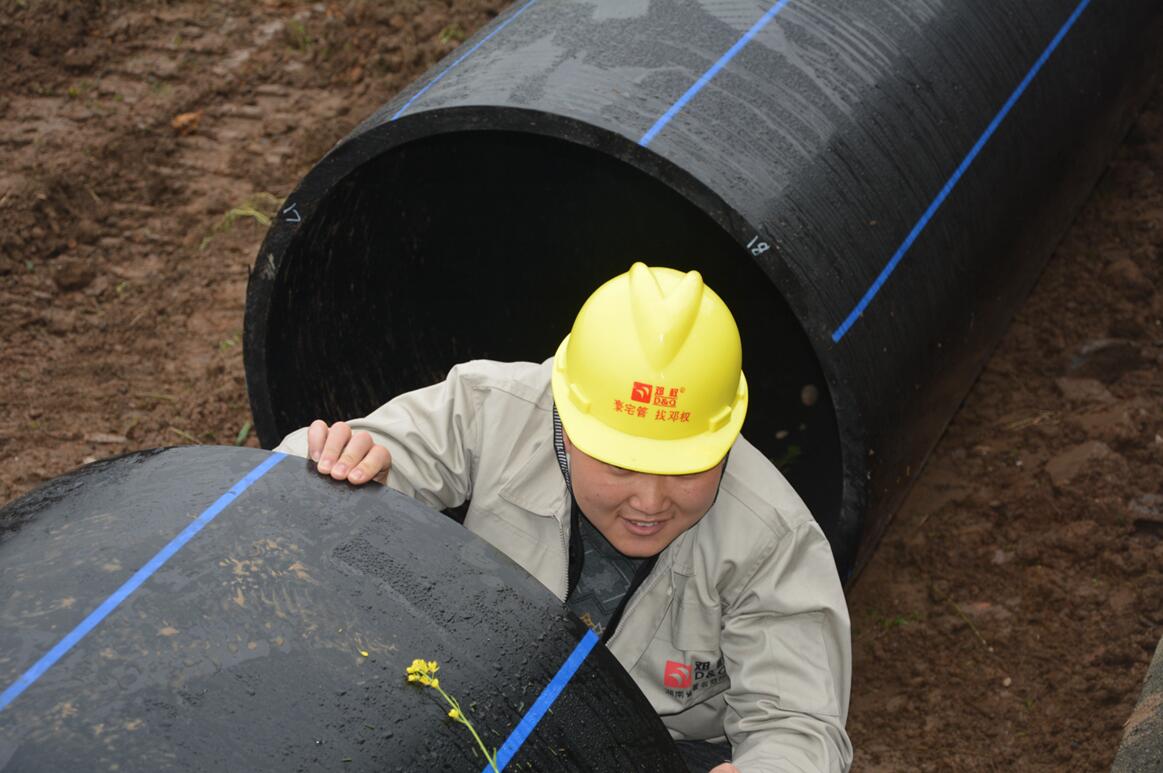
column 679, row 555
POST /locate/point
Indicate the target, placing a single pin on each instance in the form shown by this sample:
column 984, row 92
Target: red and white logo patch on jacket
column 681, row 681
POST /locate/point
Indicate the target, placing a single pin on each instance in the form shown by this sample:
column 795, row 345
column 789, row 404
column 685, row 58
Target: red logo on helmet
column 641, row 392
column 677, row 675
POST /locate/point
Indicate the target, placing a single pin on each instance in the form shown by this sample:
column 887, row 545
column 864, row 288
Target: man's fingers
column 345, row 455
column 377, row 461
column 316, row 436
column 337, row 437
column 351, row 454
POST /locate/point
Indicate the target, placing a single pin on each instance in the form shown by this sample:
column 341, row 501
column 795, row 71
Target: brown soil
column 1006, row 621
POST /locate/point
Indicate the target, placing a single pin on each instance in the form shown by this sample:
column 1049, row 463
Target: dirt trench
column 1008, row 617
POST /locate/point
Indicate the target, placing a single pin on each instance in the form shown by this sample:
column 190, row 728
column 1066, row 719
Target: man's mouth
column 642, row 528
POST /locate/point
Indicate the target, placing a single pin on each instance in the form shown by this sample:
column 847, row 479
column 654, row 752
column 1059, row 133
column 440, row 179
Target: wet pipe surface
column 276, row 628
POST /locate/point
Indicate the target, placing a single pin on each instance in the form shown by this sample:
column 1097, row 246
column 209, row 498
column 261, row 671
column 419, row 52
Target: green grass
column 261, row 208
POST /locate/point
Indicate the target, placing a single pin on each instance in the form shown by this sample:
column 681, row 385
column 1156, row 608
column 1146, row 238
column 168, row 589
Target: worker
column 615, row 473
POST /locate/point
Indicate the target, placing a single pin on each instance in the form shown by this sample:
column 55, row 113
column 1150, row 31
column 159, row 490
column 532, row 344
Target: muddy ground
column 1008, row 618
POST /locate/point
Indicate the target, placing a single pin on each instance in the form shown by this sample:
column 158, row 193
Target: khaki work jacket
column 740, row 630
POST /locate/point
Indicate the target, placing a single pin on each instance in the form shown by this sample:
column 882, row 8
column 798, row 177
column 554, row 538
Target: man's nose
column 650, row 496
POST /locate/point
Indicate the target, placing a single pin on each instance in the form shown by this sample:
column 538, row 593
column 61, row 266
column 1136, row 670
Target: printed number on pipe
column 757, row 247
column 292, row 214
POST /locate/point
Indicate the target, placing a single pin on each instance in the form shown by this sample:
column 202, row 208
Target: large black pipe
column 873, row 187
column 197, row 610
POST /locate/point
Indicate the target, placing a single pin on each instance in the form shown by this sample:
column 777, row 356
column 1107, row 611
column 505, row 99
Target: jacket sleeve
column 432, row 434
column 787, row 649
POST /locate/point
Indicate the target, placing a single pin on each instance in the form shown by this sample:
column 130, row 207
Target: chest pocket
column 692, row 662
column 695, row 627
column 501, row 533
column 540, row 555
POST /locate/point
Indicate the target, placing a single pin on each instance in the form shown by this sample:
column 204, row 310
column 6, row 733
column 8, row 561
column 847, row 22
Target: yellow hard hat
column 650, row 377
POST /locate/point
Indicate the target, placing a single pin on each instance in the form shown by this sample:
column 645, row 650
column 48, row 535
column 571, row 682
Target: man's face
column 640, row 514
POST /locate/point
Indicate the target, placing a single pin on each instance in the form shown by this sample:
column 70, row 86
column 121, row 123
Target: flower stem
column 462, row 719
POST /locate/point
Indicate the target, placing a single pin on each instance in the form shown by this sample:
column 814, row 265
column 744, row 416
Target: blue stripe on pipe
column 521, row 732
column 711, row 73
column 461, row 58
column 30, row 676
column 945, row 190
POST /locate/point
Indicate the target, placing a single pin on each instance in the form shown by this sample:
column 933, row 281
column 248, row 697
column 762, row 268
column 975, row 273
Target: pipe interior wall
column 472, row 208
column 876, row 185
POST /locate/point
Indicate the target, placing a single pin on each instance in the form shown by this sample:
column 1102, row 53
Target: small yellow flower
column 423, row 671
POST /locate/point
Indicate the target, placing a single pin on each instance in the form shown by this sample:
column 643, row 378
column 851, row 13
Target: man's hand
column 726, row 767
column 344, row 455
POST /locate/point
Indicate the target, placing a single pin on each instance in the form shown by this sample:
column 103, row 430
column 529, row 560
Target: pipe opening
column 484, row 244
